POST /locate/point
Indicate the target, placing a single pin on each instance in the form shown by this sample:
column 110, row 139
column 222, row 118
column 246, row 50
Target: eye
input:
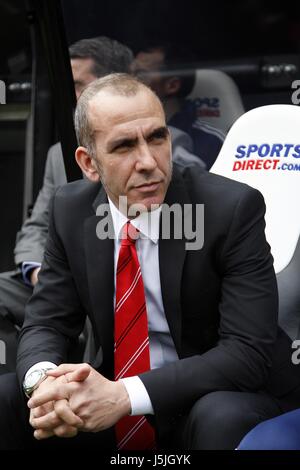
column 124, row 146
column 158, row 136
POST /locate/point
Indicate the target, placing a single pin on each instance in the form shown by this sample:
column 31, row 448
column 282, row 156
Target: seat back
column 289, row 295
column 217, row 99
column 262, row 149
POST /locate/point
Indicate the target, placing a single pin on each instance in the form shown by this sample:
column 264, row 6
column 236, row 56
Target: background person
column 162, row 67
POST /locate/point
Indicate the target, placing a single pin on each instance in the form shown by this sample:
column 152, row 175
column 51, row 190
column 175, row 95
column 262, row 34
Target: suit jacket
column 31, row 239
column 220, row 301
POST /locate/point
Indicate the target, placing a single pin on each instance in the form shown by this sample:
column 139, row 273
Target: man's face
column 147, row 66
column 82, row 75
column 133, row 148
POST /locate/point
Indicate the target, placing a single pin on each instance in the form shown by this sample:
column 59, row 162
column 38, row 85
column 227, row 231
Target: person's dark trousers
column 219, row 420
column 17, row 434
column 14, row 295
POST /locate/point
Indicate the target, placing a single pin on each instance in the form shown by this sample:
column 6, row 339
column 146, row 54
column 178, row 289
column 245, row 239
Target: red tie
column 132, row 355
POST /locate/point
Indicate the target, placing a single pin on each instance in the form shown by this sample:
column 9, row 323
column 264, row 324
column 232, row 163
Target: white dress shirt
column 162, row 349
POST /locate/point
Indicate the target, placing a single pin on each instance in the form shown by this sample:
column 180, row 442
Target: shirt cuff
column 41, row 365
column 138, row 396
column 27, row 267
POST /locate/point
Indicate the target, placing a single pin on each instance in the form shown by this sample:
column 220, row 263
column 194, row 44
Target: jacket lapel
column 100, row 272
column 171, row 260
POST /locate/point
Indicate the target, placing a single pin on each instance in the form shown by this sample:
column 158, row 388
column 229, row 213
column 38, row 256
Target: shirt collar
column 147, row 222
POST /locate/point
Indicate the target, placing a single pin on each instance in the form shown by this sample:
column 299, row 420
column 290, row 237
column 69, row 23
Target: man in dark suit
column 217, row 364
column 90, row 58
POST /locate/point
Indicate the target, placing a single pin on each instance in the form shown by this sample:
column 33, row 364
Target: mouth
column 148, row 187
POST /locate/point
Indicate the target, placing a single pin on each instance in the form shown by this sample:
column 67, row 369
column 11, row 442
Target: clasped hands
column 75, row 397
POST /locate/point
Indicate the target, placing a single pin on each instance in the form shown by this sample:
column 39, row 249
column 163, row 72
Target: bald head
column 117, row 84
column 125, row 142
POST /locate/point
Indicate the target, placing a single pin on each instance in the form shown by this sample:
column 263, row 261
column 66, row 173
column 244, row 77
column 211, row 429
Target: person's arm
column 54, row 318
column 31, row 239
column 54, row 315
column 242, row 358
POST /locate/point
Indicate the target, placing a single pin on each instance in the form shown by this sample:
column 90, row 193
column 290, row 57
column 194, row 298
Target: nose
column 145, row 159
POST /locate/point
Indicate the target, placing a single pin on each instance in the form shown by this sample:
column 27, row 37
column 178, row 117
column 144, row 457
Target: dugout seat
column 262, row 149
column 217, row 99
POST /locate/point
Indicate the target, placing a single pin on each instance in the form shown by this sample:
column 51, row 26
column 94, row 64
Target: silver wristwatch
column 34, row 379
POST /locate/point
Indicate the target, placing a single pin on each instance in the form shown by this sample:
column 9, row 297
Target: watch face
column 33, row 378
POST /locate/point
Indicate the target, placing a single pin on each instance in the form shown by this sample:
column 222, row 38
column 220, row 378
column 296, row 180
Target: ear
column 172, row 85
column 87, row 164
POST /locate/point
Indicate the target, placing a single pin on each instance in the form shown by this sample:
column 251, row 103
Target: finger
column 63, row 369
column 65, row 431
column 53, row 393
column 39, row 412
column 80, row 374
column 47, row 422
column 31, row 419
column 40, row 434
column 42, row 410
column 64, row 412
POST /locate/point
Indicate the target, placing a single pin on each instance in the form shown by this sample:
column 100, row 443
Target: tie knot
column 129, row 234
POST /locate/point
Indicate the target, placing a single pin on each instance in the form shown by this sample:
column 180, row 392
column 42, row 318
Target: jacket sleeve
column 54, row 315
column 31, row 239
column 242, row 358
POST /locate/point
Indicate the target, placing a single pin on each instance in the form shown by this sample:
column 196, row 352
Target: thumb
column 73, row 372
column 80, row 374
column 62, row 370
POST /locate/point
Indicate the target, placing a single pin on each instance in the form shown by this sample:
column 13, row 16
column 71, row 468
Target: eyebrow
column 127, row 141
